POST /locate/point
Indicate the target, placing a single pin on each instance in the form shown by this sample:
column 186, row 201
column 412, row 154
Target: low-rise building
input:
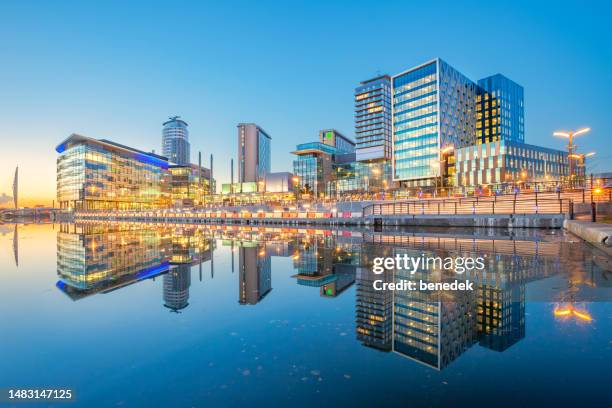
column 506, row 163
column 97, row 174
column 314, row 165
column 189, row 185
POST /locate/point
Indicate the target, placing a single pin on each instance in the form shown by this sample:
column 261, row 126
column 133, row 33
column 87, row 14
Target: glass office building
column 189, row 184
column 499, row 110
column 315, row 165
column 102, row 175
column 505, row 163
column 355, row 177
column 175, row 141
column 433, row 108
column 253, row 153
column 341, row 143
column 373, row 119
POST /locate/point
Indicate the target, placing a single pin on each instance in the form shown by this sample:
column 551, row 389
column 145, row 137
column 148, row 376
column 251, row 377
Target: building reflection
column 176, row 288
column 100, row 258
column 323, row 264
column 433, row 328
column 255, row 273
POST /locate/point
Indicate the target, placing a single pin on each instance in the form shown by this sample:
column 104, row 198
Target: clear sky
column 117, row 70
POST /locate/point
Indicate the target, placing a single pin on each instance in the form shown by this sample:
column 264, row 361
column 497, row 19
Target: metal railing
column 481, row 205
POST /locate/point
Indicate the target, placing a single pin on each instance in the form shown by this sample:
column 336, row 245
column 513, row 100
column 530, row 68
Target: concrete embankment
column 463, row 220
column 595, row 233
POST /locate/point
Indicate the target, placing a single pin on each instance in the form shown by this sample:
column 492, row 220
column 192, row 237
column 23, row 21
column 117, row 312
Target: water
column 135, row 317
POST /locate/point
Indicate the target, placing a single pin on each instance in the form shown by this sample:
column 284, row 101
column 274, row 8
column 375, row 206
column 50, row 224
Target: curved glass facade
column 175, row 141
column 99, row 175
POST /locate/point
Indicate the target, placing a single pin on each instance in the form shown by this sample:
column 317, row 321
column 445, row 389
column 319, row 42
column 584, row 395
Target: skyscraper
column 499, row 110
column 373, row 119
column 433, row 108
column 175, row 141
column 253, row 153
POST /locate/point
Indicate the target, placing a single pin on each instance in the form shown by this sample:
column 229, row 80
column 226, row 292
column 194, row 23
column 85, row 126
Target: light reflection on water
column 294, row 309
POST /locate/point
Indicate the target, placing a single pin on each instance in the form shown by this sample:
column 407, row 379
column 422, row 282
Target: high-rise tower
column 175, row 141
column 253, row 153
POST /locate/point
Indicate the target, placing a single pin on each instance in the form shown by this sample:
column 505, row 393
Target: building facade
column 175, row 141
column 190, row 184
column 433, row 109
column 504, row 164
column 253, row 153
column 314, row 166
column 341, row 143
column 102, row 175
column 500, row 111
column 373, row 119
column 97, row 174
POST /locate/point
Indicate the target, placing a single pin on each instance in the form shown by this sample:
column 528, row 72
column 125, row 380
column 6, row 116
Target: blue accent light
column 144, row 158
column 153, row 271
column 61, row 285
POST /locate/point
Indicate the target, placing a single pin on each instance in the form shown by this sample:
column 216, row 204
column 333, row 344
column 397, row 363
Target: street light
column 581, row 159
column 570, row 146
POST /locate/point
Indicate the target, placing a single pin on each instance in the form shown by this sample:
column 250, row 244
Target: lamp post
column 570, row 146
column 581, row 160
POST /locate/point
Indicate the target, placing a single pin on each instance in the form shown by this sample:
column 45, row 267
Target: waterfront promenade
column 529, row 210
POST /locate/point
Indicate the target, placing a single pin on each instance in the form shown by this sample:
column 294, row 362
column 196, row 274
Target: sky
column 117, row 70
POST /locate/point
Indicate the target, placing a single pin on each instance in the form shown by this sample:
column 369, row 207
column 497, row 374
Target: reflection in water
column 255, row 272
column 431, row 327
column 16, row 245
column 319, row 263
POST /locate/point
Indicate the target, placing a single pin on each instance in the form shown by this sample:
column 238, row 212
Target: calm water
column 180, row 317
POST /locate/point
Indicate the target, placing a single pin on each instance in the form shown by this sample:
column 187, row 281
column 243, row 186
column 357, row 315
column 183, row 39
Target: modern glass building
column 314, row 166
column 102, row 175
column 175, row 141
column 505, row 163
column 373, row 119
column 499, row 110
column 189, row 184
column 342, row 144
column 433, row 108
column 354, row 177
column 253, row 153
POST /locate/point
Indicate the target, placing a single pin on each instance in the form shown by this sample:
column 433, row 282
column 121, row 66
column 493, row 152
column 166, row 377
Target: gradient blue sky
column 117, row 70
